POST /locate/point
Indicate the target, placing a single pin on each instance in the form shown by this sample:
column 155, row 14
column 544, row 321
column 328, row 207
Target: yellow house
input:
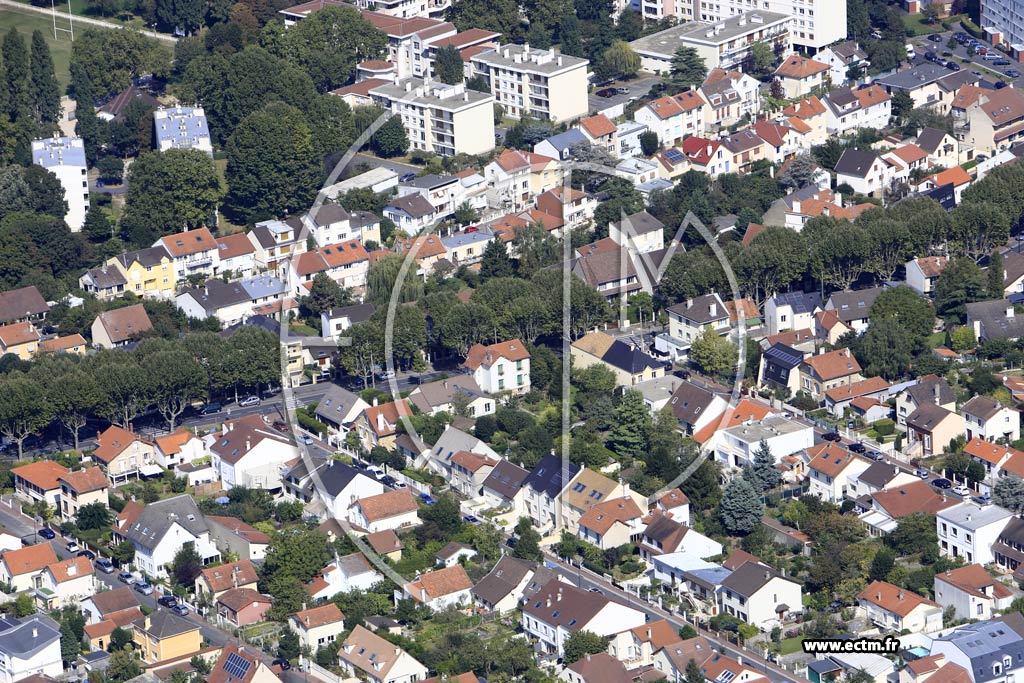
column 630, row 364
column 149, row 272
column 164, row 635
column 21, row 339
column 82, row 488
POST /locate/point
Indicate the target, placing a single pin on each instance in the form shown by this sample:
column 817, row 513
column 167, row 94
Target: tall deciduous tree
column 74, row 399
column 272, row 170
column 331, row 43
column 43, row 88
column 620, row 59
column 448, row 65
column 113, row 59
column 960, row 283
column 390, row 140
column 712, row 354
column 169, row 192
column 24, row 409
column 996, row 276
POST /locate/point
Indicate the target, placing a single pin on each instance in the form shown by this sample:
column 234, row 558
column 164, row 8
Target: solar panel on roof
column 675, row 156
column 237, row 666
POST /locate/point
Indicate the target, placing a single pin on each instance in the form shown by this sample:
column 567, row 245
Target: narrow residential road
column 587, row 580
column 86, row 20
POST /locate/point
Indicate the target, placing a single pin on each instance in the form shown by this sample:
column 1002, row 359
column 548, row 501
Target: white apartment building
column 181, row 128
column 65, row 158
column 816, row 23
column 1003, row 22
column 532, row 82
column 440, row 118
column 725, row 43
column 969, row 531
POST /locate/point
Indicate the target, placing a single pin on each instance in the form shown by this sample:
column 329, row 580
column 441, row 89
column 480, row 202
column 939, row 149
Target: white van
column 910, row 51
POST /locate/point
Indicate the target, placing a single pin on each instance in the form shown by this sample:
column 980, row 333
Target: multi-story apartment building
column 722, row 44
column 65, row 158
column 440, row 118
column 1003, row 21
column 816, row 23
column 181, row 128
column 532, row 82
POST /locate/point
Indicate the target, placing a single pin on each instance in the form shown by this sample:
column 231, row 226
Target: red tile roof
column 44, row 474
column 512, row 350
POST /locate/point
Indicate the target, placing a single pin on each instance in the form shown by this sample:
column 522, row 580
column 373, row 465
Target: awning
column 151, row 470
column 878, row 520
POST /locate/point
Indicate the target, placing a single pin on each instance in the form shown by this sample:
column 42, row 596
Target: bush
column 884, row 427
column 310, row 423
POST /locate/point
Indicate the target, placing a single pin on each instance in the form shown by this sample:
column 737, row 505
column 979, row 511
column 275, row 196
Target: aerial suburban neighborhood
column 487, row 341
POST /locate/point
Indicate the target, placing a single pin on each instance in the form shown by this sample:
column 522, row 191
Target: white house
column 22, row 568
column 178, row 448
column 500, row 367
column 968, row 531
column 924, row 272
column 757, row 594
column 249, row 452
column 791, row 311
column 391, row 510
column 162, row 528
column 866, row 172
column 366, row 654
column 317, row 627
column 67, row 583
column 972, row 592
column 735, row 446
column 830, row 470
column 893, row 608
column 343, row 574
column 673, row 117
column 442, row 588
column 29, row 647
column 988, row 419
column 559, row 609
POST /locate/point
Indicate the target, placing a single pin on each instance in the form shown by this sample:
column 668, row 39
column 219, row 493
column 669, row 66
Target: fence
column 319, row 672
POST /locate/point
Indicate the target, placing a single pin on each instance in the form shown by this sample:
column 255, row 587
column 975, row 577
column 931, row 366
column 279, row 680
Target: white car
column 249, row 401
column 961, row 490
column 375, row 472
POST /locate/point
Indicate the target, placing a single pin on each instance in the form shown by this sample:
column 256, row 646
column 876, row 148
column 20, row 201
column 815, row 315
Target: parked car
column 249, row 401
column 400, row 485
column 1001, row 84
column 622, row 91
column 471, row 519
column 983, row 499
column 211, row 408
column 281, row 426
column 180, row 610
column 87, row 554
column 283, row 663
column 167, row 601
column 942, row 483
column 931, row 56
column 47, row 533
column 607, row 92
column 831, row 436
column 876, row 456
column 858, row 448
column 1013, row 73
column 144, row 588
column 104, row 565
column 308, row 440
column 375, row 472
column 961, row 490
column 952, row 66
column 1002, row 62
column 426, row 499
column 72, row 547
column 595, row 589
column 935, row 38
column 922, row 473
column 511, row 542
column 406, row 177
column 388, row 480
column 126, row 577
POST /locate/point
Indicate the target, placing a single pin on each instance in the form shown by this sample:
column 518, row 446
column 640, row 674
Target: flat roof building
column 181, row 128
column 65, row 158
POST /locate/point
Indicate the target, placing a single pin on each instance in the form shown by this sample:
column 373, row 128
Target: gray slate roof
column 335, row 404
column 502, row 579
column 854, row 305
column 856, row 163
column 24, row 638
column 156, row 519
column 993, row 319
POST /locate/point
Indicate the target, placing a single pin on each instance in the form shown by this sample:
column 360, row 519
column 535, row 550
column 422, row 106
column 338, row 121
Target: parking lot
column 976, row 63
column 637, row 88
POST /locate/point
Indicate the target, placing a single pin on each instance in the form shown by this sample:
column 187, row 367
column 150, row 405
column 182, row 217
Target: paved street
column 584, row 578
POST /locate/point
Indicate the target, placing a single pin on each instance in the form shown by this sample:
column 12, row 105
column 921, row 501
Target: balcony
column 199, row 262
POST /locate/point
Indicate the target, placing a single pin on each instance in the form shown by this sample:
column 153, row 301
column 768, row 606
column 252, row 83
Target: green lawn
column 26, row 22
column 915, row 23
column 792, row 645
